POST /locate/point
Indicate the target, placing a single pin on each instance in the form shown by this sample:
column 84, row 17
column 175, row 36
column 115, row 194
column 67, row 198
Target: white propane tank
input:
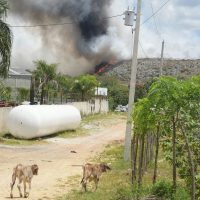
column 31, row 121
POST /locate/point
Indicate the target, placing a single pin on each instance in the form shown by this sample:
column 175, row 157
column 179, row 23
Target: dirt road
column 55, row 161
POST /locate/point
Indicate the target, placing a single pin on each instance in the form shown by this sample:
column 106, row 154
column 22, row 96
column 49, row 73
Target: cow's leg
column 96, row 181
column 12, row 184
column 25, row 193
column 28, row 193
column 19, row 188
column 84, row 184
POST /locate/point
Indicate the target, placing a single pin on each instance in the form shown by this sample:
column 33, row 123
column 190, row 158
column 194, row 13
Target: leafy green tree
column 23, row 94
column 146, row 124
column 165, row 94
column 5, row 94
column 171, row 111
column 5, row 40
column 141, row 126
column 189, row 126
column 85, row 85
column 64, row 85
column 117, row 91
column 44, row 75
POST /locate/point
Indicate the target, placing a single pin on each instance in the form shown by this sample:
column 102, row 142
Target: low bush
column 163, row 190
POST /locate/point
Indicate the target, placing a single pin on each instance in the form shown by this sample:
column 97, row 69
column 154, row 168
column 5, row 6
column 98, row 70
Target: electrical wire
column 145, row 54
column 155, row 23
column 56, row 24
column 158, row 10
column 68, row 23
column 39, row 25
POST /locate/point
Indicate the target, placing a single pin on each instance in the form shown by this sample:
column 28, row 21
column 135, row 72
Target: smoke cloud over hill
column 77, row 46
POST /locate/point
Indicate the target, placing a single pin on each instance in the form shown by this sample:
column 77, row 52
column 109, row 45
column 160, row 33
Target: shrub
column 123, row 193
column 181, row 194
column 163, row 190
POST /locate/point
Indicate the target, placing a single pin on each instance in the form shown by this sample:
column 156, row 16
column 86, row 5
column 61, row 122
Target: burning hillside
column 148, row 68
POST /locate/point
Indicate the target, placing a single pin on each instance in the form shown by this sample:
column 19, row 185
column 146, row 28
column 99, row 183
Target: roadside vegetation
column 116, row 184
column 167, row 119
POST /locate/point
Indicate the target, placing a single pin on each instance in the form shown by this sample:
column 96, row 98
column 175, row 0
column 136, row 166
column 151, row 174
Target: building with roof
column 17, row 78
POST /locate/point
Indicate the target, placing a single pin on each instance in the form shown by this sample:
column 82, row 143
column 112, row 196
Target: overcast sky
column 178, row 23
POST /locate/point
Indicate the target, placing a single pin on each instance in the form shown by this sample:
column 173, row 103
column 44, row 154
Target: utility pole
column 161, row 61
column 127, row 150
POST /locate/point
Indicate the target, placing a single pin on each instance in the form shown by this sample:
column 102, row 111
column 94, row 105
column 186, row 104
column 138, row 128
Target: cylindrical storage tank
column 31, row 121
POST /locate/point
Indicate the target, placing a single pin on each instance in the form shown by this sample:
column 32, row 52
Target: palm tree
column 5, row 40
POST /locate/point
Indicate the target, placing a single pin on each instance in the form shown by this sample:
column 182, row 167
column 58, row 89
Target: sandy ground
column 55, row 161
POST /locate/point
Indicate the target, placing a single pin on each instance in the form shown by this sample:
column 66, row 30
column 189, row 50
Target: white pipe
column 31, row 121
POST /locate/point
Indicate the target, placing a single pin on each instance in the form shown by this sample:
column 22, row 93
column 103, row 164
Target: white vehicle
column 121, row 108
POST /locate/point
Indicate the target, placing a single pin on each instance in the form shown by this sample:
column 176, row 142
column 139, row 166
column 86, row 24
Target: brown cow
column 25, row 175
column 92, row 172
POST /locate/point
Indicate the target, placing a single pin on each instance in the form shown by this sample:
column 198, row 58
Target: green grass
column 8, row 139
column 116, row 184
column 113, row 185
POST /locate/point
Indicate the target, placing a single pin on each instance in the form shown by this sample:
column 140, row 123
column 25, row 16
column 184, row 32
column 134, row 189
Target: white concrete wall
column 3, row 116
column 100, row 105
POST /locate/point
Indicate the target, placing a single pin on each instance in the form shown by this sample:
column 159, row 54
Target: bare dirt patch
column 55, row 159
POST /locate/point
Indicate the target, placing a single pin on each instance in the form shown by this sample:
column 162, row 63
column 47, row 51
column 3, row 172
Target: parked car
column 121, row 108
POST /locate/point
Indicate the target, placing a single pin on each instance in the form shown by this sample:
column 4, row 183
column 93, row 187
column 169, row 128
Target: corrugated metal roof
column 18, row 72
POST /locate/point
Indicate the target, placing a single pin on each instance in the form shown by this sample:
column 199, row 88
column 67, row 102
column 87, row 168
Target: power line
column 146, row 20
column 56, row 24
column 113, row 16
column 145, row 54
column 156, row 26
column 68, row 23
column 40, row 25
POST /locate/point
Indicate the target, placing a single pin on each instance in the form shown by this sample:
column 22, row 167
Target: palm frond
column 5, row 48
column 3, row 8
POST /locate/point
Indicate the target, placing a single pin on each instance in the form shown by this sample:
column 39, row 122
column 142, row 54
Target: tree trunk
column 192, row 168
column 61, row 97
column 152, row 147
column 135, row 157
column 156, row 155
column 47, row 97
column 32, row 90
column 132, row 158
column 82, row 96
column 145, row 156
column 174, row 152
column 42, row 96
column 140, row 168
column 147, row 152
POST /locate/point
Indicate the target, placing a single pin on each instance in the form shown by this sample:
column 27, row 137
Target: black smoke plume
column 73, row 45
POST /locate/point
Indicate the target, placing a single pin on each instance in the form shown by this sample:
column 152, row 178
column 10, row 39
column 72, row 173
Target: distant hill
column 148, row 68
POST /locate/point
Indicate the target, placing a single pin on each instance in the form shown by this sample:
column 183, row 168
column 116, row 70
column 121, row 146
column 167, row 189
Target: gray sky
column 178, row 23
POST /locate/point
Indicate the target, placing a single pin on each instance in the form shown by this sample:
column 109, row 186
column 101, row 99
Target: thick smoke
column 78, row 46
